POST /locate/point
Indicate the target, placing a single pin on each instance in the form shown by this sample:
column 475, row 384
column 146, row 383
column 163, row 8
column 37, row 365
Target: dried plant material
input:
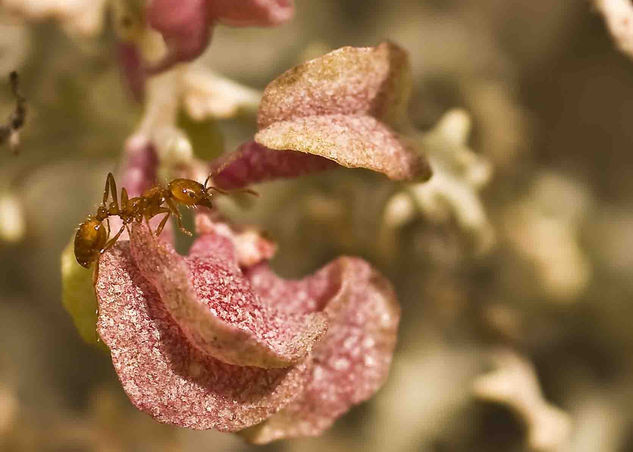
column 12, row 223
column 209, row 95
column 372, row 81
column 544, row 227
column 618, row 14
column 458, row 175
column 353, row 359
column 343, row 107
column 81, row 17
column 210, row 299
column 351, row 141
column 252, row 163
column 514, row 383
column 10, row 132
column 165, row 376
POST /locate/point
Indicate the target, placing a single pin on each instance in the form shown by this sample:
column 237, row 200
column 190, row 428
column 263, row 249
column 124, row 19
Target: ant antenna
column 226, row 192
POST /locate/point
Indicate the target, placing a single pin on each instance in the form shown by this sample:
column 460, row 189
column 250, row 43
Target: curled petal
column 166, row 377
column 253, row 163
column 355, row 141
column 247, row 13
column 132, row 70
column 209, row 298
column 251, row 246
column 353, row 359
column 184, row 26
column 371, row 81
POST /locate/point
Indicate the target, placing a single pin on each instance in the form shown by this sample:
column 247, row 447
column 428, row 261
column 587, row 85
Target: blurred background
column 516, row 332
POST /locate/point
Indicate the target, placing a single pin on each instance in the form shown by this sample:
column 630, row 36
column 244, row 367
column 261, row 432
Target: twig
column 9, row 132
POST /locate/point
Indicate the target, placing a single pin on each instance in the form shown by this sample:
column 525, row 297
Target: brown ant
column 91, row 239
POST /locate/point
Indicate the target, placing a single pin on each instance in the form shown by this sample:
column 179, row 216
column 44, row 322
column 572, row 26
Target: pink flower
column 345, row 107
column 216, row 340
column 186, row 25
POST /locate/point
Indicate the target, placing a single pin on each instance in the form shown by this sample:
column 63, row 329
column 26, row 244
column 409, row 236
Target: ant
column 91, row 239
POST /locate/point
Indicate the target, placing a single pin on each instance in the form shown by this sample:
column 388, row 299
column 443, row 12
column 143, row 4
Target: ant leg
column 176, row 212
column 113, row 240
column 163, row 222
column 95, row 274
column 110, row 188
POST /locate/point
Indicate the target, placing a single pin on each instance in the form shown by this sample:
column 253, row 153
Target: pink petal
column 246, row 13
column 252, row 163
column 352, row 361
column 140, row 165
column 132, row 69
column 166, row 377
column 250, row 245
column 209, row 298
column 185, row 27
column 353, row 141
column 371, row 81
column 138, row 173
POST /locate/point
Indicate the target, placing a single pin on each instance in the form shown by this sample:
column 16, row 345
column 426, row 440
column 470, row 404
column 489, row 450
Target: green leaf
column 78, row 295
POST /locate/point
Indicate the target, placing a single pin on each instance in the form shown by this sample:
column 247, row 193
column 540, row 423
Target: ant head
column 190, row 193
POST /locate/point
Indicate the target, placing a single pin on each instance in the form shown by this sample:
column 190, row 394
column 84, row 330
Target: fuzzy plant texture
column 215, row 339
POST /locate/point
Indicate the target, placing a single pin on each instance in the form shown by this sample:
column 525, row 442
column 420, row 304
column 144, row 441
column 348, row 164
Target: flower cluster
column 217, row 340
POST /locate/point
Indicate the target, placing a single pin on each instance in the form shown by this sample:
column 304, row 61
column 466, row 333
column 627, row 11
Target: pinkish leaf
column 166, row 377
column 341, row 106
column 248, row 13
column 208, row 296
column 353, row 359
column 371, row 81
column 138, row 173
column 250, row 245
column 253, row 163
column 132, row 69
column 355, row 141
column 140, row 165
column 185, row 27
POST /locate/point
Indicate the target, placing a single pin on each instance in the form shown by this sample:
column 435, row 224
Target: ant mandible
column 91, row 239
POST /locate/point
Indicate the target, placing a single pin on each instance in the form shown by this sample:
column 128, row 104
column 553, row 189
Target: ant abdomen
column 90, row 239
